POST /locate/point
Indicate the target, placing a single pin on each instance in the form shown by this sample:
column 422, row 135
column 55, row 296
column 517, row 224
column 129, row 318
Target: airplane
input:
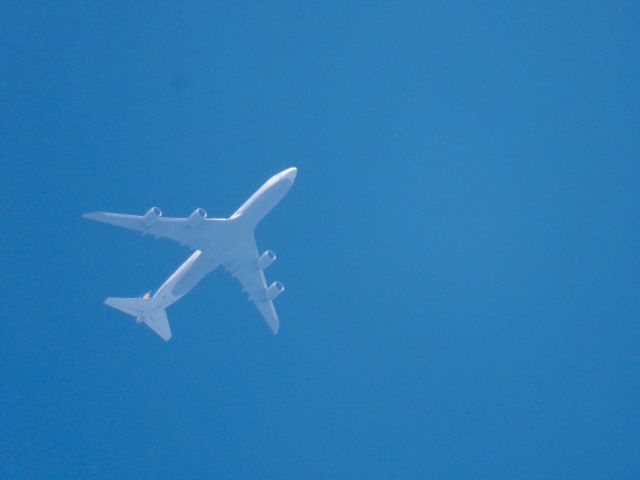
column 227, row 242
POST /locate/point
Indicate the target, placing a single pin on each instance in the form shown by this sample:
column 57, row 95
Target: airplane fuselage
column 241, row 224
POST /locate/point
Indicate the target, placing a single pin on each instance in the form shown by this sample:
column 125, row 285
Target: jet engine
column 275, row 289
column 266, row 259
column 152, row 216
column 197, row 217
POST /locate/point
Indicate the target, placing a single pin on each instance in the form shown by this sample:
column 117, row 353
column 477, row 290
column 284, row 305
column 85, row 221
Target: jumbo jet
column 227, row 242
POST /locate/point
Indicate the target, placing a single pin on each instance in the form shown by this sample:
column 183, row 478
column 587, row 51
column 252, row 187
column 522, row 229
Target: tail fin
column 156, row 320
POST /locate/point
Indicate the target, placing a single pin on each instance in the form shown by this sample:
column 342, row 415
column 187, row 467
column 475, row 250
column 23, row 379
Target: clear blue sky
column 460, row 249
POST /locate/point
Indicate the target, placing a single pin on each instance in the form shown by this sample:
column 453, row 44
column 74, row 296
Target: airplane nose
column 290, row 174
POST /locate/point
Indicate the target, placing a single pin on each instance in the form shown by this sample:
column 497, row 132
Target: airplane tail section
column 140, row 308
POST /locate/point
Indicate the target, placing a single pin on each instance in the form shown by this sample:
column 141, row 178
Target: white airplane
column 217, row 241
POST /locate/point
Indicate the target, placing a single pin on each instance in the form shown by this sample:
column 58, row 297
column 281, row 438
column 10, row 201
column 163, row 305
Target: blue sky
column 460, row 249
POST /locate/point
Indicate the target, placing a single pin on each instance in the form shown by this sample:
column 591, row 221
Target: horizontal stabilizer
column 159, row 323
column 156, row 320
column 132, row 306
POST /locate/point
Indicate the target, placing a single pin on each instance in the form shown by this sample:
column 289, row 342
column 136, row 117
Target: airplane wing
column 242, row 264
column 196, row 231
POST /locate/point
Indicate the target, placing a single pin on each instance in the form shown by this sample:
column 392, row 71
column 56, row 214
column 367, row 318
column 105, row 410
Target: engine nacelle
column 275, row 289
column 266, row 259
column 151, row 216
column 197, row 217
